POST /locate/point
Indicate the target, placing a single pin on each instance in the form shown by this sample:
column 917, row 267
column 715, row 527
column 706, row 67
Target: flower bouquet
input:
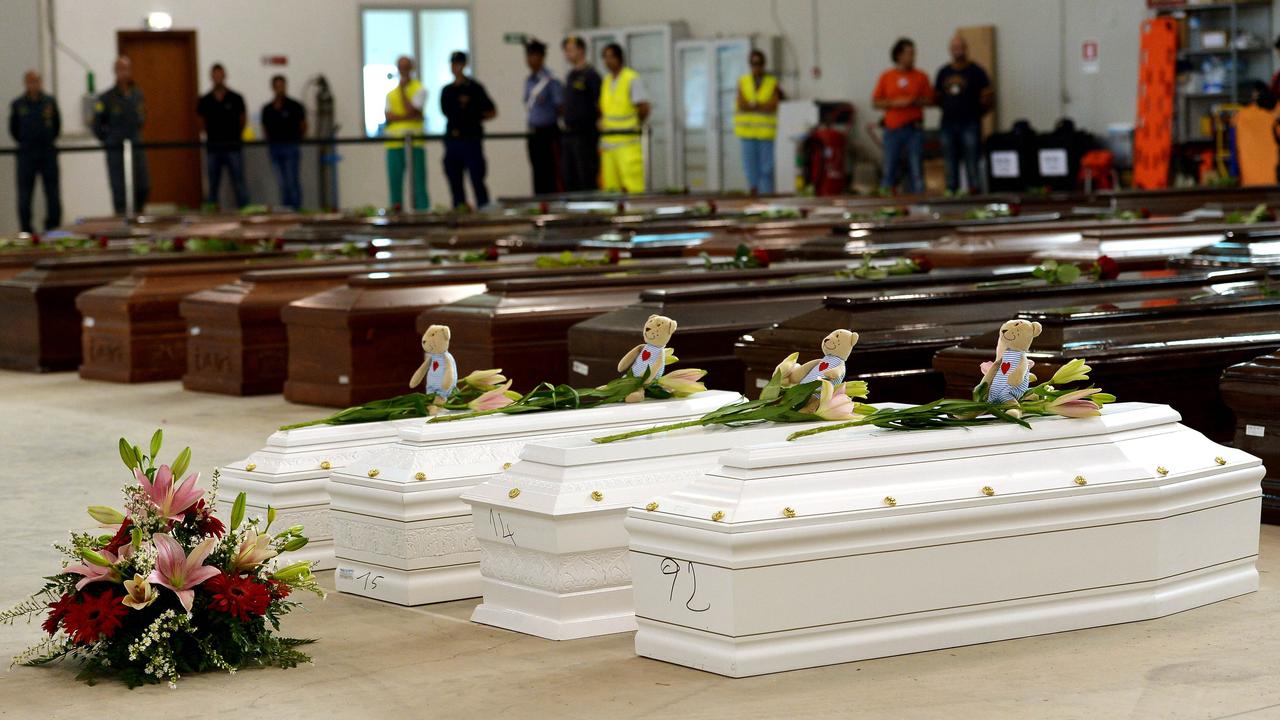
column 172, row 589
column 481, row 390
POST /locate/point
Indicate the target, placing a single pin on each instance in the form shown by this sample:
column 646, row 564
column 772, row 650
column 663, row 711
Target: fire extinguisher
column 827, row 150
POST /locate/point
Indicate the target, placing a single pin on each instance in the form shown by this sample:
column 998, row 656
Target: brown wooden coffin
column 1172, row 201
column 38, row 317
column 899, row 235
column 1256, row 246
column 357, row 342
column 712, row 317
column 1170, row 350
column 522, row 326
column 1252, row 391
column 900, row 334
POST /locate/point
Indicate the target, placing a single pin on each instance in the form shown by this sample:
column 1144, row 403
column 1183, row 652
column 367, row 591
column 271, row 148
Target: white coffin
column 554, row 557
column 403, row 535
column 1166, row 520
column 290, row 473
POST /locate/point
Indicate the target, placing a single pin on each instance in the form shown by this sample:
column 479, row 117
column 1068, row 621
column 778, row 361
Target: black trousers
column 141, row 178
column 581, row 166
column 42, row 162
column 544, row 157
column 466, row 154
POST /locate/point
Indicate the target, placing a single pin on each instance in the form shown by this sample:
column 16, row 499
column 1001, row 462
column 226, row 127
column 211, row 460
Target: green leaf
column 237, row 511
column 156, row 439
column 1068, row 274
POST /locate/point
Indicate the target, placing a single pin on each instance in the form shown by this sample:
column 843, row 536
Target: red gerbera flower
column 206, row 522
column 95, row 616
column 279, row 590
column 122, row 537
column 240, row 597
column 57, row 610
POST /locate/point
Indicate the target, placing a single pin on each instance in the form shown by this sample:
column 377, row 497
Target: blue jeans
column 233, row 161
column 757, row 163
column 909, row 138
column 285, row 158
column 962, row 142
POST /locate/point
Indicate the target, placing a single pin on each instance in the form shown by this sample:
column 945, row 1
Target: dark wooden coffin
column 901, row 235
column 522, row 326
column 1256, row 246
column 1172, row 201
column 900, row 334
column 1170, row 349
column 1252, row 391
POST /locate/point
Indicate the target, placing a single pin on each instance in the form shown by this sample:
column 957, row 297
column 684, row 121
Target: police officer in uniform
column 118, row 116
column 34, row 123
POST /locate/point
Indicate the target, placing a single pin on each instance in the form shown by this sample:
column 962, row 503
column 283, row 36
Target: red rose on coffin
column 922, row 262
column 277, row 243
column 1108, row 269
column 103, row 241
column 179, row 243
column 761, row 256
column 491, row 253
column 95, row 616
column 237, row 596
column 615, row 256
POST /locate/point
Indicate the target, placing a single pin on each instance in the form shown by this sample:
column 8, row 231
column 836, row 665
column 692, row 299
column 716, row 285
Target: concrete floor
column 58, row 454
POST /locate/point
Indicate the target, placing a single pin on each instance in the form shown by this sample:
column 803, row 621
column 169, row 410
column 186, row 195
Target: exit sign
column 515, row 38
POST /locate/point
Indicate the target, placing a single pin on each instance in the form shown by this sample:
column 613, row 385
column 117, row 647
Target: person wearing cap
column 543, row 97
column 467, row 106
column 624, row 106
column 119, row 115
column 34, row 124
column 756, row 123
column 581, row 117
column 404, row 117
column 222, row 112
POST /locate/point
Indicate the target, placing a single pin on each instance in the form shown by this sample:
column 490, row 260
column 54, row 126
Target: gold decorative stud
column 420, row 476
column 1081, row 481
column 788, row 512
column 988, row 490
column 1162, row 470
column 325, row 465
column 1220, row 460
column 890, row 500
column 251, row 467
column 717, row 516
column 513, row 493
column 373, row 472
column 506, row 466
column 651, row 506
column 597, row 495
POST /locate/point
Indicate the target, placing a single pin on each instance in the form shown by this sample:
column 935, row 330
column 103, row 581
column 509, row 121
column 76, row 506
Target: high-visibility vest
column 617, row 112
column 756, row 125
column 400, row 128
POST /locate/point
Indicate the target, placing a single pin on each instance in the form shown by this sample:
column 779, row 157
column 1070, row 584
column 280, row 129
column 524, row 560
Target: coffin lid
column 826, row 281
column 911, row 224
column 625, row 277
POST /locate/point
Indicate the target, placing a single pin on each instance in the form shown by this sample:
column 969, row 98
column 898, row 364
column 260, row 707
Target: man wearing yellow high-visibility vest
column 624, row 105
column 756, row 124
column 404, row 117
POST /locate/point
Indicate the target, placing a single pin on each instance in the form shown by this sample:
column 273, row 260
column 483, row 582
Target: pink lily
column 495, row 399
column 100, row 573
column 254, row 550
column 684, row 381
column 171, row 501
column 834, row 403
column 180, row 572
column 1075, row 404
column 484, row 379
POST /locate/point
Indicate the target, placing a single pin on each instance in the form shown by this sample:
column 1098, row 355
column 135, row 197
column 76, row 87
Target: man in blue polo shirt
column 543, row 98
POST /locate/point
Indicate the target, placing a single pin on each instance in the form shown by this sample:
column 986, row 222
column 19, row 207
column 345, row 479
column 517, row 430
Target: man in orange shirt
column 1256, row 150
column 903, row 92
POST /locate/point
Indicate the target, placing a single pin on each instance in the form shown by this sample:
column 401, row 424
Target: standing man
column 581, row 114
column 756, row 124
column 284, row 120
column 404, row 117
column 624, row 105
column 466, row 106
column 222, row 113
column 34, row 124
column 903, row 92
column 543, row 98
column 119, row 115
column 965, row 95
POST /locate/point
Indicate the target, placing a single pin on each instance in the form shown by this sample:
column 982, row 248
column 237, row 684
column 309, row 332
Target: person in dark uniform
column 580, row 142
column 284, row 120
column 119, row 115
column 467, row 106
column 543, row 97
column 34, row 123
column 223, row 114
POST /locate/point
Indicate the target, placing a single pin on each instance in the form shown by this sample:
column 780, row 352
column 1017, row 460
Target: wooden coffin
column 523, row 326
column 1169, row 350
column 900, row 334
column 1252, row 247
column 900, row 235
column 357, row 342
column 1252, row 391
column 1172, row 201
column 39, row 320
column 712, row 317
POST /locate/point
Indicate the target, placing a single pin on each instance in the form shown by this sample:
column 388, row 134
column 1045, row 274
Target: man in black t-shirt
column 964, row 93
column 284, row 122
column 467, row 106
column 580, row 143
column 222, row 112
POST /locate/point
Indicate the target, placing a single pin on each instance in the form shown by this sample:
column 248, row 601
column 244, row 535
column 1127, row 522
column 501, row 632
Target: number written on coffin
column 671, row 566
column 370, row 580
column 500, row 527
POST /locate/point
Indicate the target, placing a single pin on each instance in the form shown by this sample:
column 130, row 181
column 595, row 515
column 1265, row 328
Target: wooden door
column 165, row 69
column 981, row 40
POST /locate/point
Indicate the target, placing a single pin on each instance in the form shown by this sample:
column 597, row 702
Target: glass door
column 731, row 63
column 693, row 114
column 648, row 53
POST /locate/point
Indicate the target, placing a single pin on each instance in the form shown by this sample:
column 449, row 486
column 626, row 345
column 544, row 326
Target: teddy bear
column 651, row 355
column 438, row 367
column 831, row 366
column 1009, row 375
